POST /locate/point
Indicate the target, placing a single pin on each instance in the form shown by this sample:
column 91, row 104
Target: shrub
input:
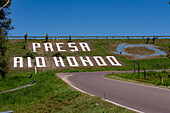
column 59, row 55
column 154, row 39
column 147, row 40
column 29, row 54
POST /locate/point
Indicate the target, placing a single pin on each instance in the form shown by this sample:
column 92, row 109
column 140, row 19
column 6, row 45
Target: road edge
column 65, row 79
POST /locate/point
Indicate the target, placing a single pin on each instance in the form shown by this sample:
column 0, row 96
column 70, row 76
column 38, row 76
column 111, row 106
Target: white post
column 35, row 67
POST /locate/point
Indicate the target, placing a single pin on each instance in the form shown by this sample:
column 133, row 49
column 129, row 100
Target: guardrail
column 89, row 37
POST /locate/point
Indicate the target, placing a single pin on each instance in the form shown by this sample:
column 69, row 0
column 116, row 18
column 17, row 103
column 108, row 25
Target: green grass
column 151, row 77
column 100, row 47
column 49, row 94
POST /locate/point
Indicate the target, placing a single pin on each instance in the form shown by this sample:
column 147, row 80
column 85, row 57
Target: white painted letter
column 101, row 62
column 20, row 61
column 48, row 46
column 74, row 63
column 70, row 46
column 57, row 62
column 35, row 46
column 29, row 61
column 84, row 46
column 42, row 62
column 59, row 47
column 113, row 61
column 87, row 60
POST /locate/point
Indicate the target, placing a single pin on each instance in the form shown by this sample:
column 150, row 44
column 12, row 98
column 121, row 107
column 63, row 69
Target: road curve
column 148, row 99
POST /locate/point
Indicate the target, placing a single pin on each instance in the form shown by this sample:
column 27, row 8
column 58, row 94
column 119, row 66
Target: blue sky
column 90, row 17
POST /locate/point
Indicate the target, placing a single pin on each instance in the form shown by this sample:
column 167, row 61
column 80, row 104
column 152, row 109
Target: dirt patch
column 139, row 50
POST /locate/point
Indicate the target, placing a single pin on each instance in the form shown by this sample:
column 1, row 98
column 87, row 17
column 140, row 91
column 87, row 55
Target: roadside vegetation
column 154, row 78
column 49, row 94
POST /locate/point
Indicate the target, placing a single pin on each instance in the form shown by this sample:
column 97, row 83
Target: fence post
column 138, row 70
column 35, row 67
column 134, row 66
column 24, row 45
column 144, row 73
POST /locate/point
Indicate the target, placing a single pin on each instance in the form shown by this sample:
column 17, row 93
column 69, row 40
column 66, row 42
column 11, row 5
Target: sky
column 90, row 17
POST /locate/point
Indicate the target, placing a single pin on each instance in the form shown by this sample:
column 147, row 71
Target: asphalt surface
column 148, row 99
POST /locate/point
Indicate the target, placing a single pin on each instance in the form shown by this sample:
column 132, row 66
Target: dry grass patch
column 139, row 50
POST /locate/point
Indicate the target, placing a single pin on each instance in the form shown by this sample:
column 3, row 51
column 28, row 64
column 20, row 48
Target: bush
column 147, row 40
column 154, row 39
column 29, row 54
column 59, row 55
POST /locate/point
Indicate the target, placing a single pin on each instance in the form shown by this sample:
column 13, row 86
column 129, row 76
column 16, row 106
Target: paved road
column 144, row 98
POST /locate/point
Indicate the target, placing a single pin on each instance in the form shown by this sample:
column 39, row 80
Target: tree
column 5, row 26
column 5, row 20
column 5, row 4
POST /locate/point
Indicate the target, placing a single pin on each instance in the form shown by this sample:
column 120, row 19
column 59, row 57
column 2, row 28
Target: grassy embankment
column 49, row 94
column 99, row 48
column 152, row 78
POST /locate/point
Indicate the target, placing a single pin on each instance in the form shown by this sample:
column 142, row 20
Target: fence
column 89, row 37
